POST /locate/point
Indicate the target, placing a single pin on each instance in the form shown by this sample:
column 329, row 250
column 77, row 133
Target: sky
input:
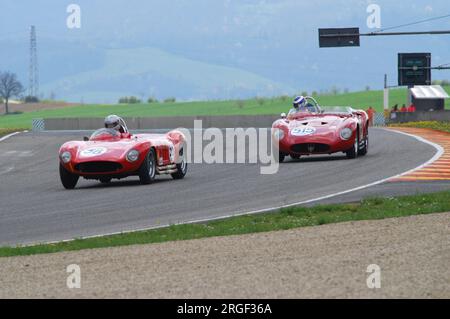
column 210, row 49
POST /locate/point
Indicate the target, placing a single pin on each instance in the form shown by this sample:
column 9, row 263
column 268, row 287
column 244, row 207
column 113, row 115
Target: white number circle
column 94, row 151
column 303, row 131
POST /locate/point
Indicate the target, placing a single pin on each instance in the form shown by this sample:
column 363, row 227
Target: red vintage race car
column 109, row 154
column 317, row 130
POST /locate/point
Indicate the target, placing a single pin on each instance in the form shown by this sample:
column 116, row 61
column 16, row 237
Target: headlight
column 278, row 134
column 132, row 156
column 346, row 133
column 66, row 157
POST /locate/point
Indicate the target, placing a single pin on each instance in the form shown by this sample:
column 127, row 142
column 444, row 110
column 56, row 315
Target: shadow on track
column 316, row 158
column 119, row 183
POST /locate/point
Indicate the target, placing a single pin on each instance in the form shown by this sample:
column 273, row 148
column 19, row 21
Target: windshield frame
column 314, row 104
column 342, row 110
column 113, row 134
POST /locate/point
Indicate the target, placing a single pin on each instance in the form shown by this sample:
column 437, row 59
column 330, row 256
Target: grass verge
column 369, row 209
column 435, row 125
column 6, row 131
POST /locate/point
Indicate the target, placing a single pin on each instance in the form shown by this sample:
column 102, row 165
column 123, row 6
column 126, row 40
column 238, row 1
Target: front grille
column 310, row 148
column 98, row 167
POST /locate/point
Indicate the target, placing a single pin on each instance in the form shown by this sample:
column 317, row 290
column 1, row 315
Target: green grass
column 6, row 131
column 245, row 107
column 369, row 209
column 435, row 125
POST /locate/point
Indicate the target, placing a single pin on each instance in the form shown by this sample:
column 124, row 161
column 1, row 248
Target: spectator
column 371, row 114
column 411, row 108
column 394, row 112
column 404, row 109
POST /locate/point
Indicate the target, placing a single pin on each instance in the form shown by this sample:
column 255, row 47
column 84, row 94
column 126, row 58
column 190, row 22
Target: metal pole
column 375, row 34
column 425, row 68
column 386, row 93
column 409, row 97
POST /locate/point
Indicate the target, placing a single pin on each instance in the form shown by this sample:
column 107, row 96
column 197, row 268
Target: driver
column 300, row 105
column 116, row 123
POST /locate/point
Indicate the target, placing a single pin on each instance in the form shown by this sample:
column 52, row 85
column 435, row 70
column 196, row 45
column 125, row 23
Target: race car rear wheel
column 281, row 157
column 181, row 170
column 147, row 172
column 353, row 152
column 68, row 179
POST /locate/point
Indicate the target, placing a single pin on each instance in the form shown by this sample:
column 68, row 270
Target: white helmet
column 116, row 123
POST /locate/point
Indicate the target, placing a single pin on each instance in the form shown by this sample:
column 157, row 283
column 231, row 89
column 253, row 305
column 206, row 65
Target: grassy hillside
column 245, row 107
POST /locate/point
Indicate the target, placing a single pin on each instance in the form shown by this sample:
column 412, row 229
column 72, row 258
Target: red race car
column 109, row 154
column 313, row 130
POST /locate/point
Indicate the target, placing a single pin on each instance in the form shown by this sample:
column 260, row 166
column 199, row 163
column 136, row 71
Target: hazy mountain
column 152, row 72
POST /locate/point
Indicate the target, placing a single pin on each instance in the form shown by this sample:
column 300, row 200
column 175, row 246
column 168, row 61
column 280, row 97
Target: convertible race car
column 314, row 130
column 109, row 154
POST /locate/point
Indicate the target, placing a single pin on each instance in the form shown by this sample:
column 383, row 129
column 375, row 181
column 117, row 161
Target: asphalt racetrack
column 34, row 207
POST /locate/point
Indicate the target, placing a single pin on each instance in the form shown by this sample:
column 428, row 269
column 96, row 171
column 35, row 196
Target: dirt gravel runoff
column 327, row 261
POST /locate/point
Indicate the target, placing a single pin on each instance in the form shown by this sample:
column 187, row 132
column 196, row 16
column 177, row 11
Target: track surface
column 35, row 208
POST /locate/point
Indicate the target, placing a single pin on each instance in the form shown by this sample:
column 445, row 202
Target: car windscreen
column 104, row 133
column 336, row 110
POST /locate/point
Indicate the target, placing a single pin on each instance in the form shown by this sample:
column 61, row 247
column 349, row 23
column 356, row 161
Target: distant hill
column 148, row 72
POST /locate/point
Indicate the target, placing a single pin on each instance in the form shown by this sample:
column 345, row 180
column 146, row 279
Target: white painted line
column 7, row 170
column 4, row 138
column 437, row 155
column 26, row 154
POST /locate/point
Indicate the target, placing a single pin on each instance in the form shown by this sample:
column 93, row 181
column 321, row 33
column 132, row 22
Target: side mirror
column 85, row 138
column 283, row 115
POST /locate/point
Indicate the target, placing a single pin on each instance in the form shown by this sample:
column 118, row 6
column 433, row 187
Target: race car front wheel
column 353, row 152
column 68, row 179
column 147, row 172
column 363, row 151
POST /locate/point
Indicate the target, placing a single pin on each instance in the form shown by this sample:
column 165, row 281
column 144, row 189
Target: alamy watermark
column 232, row 146
column 74, row 279
column 374, row 18
column 374, row 279
column 74, row 19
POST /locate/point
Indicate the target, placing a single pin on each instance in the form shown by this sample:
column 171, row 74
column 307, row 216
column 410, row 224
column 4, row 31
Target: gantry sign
column 350, row 37
column 414, row 69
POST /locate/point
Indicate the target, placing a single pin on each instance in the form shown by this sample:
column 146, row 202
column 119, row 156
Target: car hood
column 103, row 151
column 319, row 123
column 313, row 127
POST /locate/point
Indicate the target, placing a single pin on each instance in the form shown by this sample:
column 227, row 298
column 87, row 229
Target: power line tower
column 33, row 89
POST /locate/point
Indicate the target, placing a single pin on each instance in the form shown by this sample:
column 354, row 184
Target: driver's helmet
column 116, row 123
column 299, row 101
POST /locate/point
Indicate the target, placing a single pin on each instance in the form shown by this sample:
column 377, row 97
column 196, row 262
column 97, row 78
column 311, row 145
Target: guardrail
column 403, row 117
column 244, row 121
column 143, row 123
